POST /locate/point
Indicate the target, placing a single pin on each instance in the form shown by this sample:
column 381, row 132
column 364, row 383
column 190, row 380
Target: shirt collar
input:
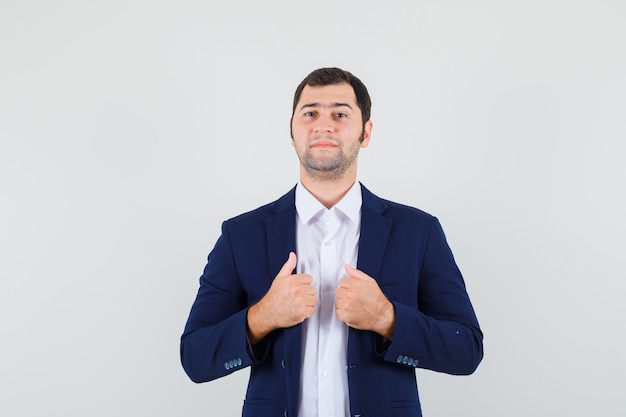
column 308, row 206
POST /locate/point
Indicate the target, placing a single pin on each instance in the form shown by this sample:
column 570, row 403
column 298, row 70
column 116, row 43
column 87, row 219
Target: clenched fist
column 360, row 303
column 290, row 300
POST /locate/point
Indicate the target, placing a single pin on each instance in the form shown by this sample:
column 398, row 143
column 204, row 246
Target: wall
column 130, row 129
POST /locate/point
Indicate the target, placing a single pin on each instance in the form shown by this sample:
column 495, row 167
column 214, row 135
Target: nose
column 324, row 124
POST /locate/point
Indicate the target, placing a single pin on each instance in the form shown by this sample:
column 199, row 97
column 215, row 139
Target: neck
column 328, row 191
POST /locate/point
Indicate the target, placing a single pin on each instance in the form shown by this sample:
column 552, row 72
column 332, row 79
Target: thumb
column 289, row 266
column 353, row 272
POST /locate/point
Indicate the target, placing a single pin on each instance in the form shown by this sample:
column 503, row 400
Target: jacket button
column 399, row 360
column 282, row 363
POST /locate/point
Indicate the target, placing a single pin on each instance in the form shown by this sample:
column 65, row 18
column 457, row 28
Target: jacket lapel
column 281, row 239
column 374, row 233
column 281, row 231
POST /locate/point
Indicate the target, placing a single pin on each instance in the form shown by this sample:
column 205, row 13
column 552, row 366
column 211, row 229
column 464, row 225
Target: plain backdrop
column 129, row 130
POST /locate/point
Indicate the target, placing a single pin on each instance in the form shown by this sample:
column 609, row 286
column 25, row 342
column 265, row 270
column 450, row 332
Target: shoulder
column 392, row 209
column 258, row 215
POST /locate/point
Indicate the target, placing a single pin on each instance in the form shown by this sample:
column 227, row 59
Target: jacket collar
column 375, row 227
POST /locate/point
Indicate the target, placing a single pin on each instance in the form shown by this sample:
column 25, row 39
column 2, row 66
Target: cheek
column 299, row 135
column 299, row 128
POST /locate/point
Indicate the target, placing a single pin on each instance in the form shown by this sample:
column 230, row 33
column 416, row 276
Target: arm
column 222, row 327
column 442, row 333
column 214, row 341
column 436, row 329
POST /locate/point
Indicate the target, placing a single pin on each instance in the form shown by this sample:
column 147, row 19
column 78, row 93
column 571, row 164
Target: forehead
column 327, row 94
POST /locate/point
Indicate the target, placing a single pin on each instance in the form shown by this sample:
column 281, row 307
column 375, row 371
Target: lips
column 324, row 144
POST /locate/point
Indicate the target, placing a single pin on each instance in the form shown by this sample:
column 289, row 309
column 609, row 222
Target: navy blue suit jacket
column 403, row 248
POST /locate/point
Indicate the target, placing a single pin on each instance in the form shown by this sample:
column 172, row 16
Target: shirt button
column 325, row 374
column 328, row 243
column 327, row 330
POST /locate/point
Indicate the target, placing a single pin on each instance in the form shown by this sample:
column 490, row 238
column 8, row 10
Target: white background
column 130, row 129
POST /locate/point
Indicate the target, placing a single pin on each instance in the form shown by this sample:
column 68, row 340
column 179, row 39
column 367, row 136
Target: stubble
column 332, row 167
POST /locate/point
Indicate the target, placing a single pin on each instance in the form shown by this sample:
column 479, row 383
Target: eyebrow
column 331, row 105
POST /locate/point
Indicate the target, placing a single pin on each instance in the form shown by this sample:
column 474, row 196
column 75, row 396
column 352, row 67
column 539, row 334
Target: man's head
column 330, row 124
column 330, row 76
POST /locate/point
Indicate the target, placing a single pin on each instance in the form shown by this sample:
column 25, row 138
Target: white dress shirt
column 326, row 240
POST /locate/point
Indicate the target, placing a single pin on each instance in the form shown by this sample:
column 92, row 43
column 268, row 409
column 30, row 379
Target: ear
column 291, row 129
column 367, row 134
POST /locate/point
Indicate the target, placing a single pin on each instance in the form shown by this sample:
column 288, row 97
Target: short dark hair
column 330, row 76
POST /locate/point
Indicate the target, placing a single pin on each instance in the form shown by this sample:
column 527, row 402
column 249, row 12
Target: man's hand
column 290, row 300
column 360, row 303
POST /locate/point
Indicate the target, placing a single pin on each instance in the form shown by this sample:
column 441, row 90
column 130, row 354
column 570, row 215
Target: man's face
column 327, row 130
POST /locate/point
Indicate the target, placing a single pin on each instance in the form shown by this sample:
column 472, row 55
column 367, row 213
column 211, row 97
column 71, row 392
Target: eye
column 341, row 115
column 309, row 114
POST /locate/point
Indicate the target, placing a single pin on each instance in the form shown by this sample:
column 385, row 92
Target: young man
column 332, row 295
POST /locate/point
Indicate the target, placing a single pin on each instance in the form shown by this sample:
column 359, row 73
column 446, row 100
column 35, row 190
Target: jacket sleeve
column 214, row 342
column 442, row 333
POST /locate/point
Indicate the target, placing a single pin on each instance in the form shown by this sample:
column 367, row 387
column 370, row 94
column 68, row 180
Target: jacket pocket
column 391, row 278
column 405, row 409
column 400, row 287
column 253, row 407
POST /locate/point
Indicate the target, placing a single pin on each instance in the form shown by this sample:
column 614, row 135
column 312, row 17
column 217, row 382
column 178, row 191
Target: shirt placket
column 328, row 276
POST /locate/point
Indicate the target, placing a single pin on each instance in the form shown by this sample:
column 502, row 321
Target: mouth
column 323, row 144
